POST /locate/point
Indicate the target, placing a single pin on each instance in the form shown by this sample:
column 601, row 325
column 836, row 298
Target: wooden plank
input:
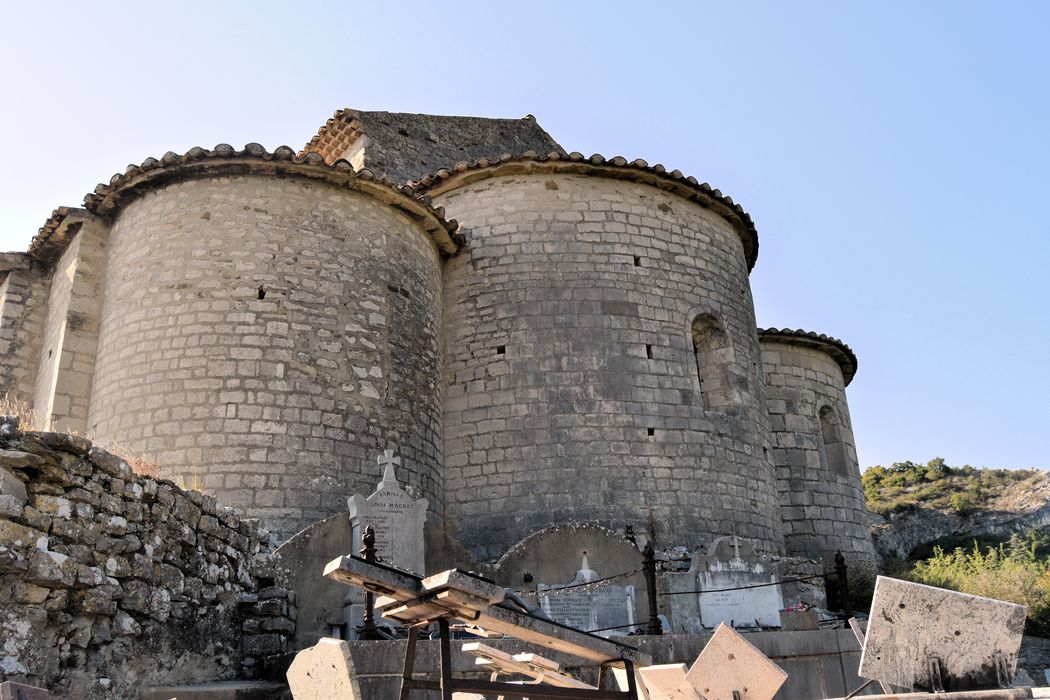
column 467, row 583
column 403, row 587
column 536, row 667
column 384, row 580
column 538, row 661
column 558, row 637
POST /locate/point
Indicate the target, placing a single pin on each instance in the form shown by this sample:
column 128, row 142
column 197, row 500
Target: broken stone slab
column 730, row 663
column 667, row 682
column 915, row 628
column 325, row 671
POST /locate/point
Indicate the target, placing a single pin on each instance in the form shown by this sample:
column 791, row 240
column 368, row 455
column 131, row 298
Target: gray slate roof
column 405, row 147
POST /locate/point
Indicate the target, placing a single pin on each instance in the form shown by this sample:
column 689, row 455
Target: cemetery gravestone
column 398, row 519
column 737, row 587
column 730, row 663
column 929, row 638
column 605, row 609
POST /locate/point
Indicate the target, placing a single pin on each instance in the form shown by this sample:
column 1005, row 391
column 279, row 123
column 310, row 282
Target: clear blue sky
column 894, row 155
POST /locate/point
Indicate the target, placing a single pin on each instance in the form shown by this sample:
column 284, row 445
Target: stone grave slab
column 604, row 609
column 667, row 682
column 731, row 663
column 738, row 587
column 325, row 671
column 912, row 624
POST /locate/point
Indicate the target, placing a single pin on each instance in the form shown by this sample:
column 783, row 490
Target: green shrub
column 1015, row 571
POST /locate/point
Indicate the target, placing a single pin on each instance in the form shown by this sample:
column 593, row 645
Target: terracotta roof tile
column 106, row 199
column 464, row 172
column 835, row 348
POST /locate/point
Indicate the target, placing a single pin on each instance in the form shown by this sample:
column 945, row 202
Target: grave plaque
column 736, row 587
column 730, row 663
column 589, row 608
column 398, row 519
column 931, row 639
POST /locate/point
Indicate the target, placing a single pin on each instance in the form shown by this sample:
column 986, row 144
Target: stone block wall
column 274, row 335
column 70, row 333
column 23, row 293
column 820, row 492
column 573, row 391
column 110, row 581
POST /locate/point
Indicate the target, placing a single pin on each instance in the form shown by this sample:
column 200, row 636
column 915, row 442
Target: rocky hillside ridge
column 915, row 507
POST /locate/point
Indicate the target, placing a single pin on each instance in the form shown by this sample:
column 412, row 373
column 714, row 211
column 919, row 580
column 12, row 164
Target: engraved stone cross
column 388, row 461
column 736, row 547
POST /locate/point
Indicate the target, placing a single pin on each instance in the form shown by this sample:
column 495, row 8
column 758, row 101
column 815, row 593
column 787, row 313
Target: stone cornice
column 833, row 347
column 618, row 168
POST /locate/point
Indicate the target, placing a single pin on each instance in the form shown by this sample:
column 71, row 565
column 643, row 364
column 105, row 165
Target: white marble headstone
column 736, row 587
column 589, row 608
column 397, row 517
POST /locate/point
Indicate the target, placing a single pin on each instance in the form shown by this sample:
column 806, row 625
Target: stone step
column 220, row 690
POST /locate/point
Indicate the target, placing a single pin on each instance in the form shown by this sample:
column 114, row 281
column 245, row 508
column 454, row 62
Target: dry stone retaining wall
column 111, row 582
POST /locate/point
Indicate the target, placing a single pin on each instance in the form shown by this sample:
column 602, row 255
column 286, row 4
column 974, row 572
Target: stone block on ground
column 667, row 682
column 731, row 663
column 325, row 671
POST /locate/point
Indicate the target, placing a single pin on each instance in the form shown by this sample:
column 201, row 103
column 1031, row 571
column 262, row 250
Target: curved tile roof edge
column 833, row 347
column 106, row 199
column 617, row 167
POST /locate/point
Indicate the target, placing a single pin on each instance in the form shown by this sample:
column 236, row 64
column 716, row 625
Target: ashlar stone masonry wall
column 573, row 392
column 111, row 582
column 274, row 335
column 23, row 300
column 821, row 496
column 70, row 333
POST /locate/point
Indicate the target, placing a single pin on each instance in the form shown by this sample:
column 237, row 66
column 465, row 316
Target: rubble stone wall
column 820, row 493
column 111, row 582
column 573, row 391
column 274, row 334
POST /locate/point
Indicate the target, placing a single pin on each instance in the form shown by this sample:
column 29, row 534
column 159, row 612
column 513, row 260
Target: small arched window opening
column 833, row 452
column 714, row 357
